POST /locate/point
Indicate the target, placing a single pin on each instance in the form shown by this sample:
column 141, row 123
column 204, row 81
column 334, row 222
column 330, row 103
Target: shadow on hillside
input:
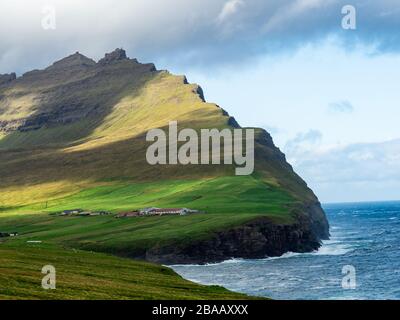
column 70, row 110
column 123, row 160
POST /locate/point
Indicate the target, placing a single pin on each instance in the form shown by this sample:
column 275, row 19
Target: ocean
column 363, row 250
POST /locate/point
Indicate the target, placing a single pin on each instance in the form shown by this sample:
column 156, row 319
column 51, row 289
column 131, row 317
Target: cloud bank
column 195, row 32
column 369, row 170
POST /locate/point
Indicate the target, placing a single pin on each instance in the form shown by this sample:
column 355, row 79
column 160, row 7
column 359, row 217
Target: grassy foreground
column 86, row 275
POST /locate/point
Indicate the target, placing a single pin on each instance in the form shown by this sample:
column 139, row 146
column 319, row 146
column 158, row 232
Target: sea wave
column 333, row 250
column 229, row 261
column 328, row 248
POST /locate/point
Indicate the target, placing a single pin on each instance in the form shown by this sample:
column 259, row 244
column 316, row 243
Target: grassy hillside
column 244, row 194
column 87, row 128
column 85, row 275
column 73, row 136
column 98, row 161
column 224, row 200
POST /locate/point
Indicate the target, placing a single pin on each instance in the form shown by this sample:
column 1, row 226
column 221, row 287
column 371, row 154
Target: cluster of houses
column 82, row 213
column 153, row 211
column 6, row 234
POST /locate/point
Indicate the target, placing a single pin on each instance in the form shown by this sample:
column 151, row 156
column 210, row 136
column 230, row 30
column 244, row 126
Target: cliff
column 258, row 239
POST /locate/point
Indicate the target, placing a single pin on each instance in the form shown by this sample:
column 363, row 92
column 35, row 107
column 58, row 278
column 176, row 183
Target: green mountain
column 73, row 136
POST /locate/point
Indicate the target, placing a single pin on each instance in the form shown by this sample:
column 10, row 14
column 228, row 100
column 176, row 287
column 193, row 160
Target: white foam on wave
column 285, row 256
column 229, row 261
column 333, row 250
column 328, row 248
column 333, row 247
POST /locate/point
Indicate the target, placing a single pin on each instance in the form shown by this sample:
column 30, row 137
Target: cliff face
column 318, row 222
column 258, row 239
column 68, row 91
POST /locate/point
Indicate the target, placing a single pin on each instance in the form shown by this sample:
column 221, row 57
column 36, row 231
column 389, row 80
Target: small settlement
column 6, row 234
column 82, row 213
column 153, row 211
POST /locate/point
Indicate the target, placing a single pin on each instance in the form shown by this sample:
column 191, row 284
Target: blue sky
column 329, row 97
column 318, row 103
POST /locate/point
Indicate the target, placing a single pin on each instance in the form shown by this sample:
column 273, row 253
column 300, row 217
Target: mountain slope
column 73, row 135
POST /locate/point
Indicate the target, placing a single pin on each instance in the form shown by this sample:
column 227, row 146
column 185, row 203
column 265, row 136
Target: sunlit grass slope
column 85, row 275
column 224, row 201
column 245, row 194
column 106, row 146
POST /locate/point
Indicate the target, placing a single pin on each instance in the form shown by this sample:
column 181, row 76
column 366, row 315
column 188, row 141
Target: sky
column 329, row 96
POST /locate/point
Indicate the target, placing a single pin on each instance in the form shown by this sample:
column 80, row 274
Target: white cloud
column 230, row 8
column 292, row 10
column 302, row 143
column 341, row 173
column 184, row 32
column 343, row 106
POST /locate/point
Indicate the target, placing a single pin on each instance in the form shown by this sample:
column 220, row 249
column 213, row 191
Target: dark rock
column 231, row 120
column 61, row 87
column 233, row 123
column 258, row 239
column 7, row 78
column 116, row 55
column 200, row 93
column 224, row 112
column 318, row 222
column 72, row 61
column 151, row 66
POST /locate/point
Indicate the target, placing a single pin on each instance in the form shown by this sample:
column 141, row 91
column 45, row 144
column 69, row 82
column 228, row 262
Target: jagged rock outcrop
column 116, row 55
column 64, row 90
column 7, row 78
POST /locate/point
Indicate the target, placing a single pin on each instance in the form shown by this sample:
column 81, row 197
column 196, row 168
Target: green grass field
column 235, row 194
column 86, row 275
column 92, row 274
column 229, row 196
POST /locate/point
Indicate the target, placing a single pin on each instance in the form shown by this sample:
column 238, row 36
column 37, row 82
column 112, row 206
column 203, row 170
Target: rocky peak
column 6, row 78
column 116, row 55
column 74, row 60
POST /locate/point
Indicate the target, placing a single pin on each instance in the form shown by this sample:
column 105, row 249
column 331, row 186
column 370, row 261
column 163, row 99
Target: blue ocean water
column 364, row 235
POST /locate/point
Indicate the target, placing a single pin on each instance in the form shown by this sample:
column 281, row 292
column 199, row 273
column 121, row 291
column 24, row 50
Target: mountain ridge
column 78, row 126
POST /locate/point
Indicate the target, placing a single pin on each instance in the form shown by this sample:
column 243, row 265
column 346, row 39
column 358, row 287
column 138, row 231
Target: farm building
column 81, row 213
column 153, row 211
column 170, row 211
column 6, row 234
column 128, row 214
column 71, row 212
